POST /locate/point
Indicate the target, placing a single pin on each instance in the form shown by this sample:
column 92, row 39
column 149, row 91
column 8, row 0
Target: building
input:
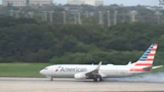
column 21, row 3
column 99, row 2
column 93, row 2
column 14, row 2
column 75, row 2
column 88, row 2
column 40, row 2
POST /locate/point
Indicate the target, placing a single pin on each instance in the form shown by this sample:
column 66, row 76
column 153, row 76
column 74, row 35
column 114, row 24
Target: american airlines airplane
column 98, row 72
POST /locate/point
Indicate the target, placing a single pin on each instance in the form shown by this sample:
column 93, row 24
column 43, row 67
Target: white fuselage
column 68, row 71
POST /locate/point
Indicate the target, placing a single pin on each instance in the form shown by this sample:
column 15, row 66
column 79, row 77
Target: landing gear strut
column 51, row 78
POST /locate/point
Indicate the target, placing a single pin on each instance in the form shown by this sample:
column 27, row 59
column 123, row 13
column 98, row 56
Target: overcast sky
column 124, row 2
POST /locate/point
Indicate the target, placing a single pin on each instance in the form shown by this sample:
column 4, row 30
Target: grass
column 28, row 69
column 21, row 69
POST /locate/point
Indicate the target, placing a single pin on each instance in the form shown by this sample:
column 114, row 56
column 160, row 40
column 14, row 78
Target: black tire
column 99, row 79
column 95, row 79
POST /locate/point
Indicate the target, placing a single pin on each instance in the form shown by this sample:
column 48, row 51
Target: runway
column 71, row 85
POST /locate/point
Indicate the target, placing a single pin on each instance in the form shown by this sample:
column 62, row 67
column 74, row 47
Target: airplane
column 99, row 72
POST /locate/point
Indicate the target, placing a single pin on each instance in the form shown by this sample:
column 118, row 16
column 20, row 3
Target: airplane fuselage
column 106, row 71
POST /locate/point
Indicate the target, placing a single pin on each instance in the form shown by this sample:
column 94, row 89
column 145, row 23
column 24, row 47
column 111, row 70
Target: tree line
column 26, row 40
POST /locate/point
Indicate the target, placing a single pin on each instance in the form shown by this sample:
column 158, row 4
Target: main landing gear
column 97, row 79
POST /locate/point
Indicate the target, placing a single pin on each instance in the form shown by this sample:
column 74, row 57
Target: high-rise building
column 21, row 3
column 88, row 2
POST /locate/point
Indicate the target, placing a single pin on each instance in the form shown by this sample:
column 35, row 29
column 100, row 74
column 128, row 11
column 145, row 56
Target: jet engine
column 80, row 76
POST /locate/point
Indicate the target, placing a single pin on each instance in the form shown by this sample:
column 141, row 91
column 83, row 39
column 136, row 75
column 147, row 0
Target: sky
column 124, row 2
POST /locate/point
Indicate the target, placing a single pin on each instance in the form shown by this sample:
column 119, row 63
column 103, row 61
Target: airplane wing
column 92, row 74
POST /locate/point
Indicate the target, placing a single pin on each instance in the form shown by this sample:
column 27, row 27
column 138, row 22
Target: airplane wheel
column 95, row 79
column 99, row 78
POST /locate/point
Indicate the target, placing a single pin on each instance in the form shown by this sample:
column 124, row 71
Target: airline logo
column 145, row 63
column 149, row 54
column 147, row 58
column 69, row 69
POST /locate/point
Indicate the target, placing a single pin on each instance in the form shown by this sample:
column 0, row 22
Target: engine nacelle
column 80, row 76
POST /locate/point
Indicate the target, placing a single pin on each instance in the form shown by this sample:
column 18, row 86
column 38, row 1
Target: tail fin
column 145, row 63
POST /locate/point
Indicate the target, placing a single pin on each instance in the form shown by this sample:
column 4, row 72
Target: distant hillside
column 29, row 41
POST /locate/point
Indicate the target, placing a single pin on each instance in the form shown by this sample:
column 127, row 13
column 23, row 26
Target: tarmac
column 72, row 85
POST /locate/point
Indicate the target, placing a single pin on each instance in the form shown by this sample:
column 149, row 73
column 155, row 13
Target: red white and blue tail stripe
column 145, row 63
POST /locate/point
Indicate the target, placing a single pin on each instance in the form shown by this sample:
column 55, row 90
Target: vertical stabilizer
column 145, row 63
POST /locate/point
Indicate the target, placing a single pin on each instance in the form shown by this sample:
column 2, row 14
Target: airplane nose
column 42, row 72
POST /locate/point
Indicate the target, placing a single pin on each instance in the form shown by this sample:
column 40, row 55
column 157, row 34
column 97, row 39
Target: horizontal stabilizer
column 157, row 67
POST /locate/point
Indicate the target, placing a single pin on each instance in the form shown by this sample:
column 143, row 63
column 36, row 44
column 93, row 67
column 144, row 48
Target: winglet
column 99, row 65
